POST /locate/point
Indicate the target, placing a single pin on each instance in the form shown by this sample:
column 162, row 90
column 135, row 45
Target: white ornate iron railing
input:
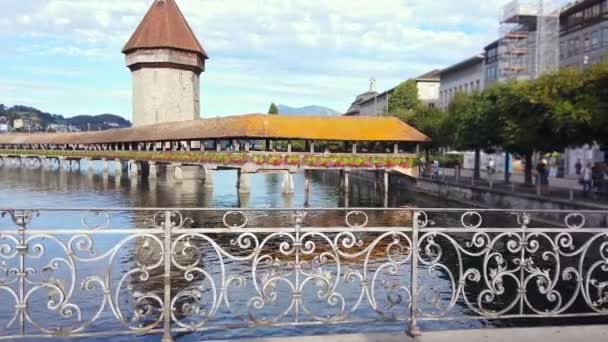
column 104, row 272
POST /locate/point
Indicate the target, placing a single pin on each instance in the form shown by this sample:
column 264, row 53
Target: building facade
column 584, row 34
column 166, row 60
column 372, row 103
column 464, row 77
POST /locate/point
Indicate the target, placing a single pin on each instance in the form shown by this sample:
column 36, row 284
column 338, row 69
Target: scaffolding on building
column 529, row 39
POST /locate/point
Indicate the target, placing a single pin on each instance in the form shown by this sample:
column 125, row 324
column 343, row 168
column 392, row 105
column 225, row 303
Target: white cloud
column 62, row 21
column 24, row 20
column 285, row 50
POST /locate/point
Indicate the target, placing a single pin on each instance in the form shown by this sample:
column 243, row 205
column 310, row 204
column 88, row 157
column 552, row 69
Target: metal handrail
column 182, row 275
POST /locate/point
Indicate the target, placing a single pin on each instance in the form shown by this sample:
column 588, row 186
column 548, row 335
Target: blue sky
column 63, row 56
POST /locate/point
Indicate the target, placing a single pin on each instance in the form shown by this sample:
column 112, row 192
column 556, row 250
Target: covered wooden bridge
column 247, row 143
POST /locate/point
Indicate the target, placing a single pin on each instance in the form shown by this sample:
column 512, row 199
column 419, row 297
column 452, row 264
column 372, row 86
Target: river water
column 47, row 188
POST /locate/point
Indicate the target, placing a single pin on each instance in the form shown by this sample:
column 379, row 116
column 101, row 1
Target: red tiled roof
column 164, row 26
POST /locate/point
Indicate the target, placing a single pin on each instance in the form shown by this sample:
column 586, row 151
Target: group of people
column 430, row 169
column 593, row 178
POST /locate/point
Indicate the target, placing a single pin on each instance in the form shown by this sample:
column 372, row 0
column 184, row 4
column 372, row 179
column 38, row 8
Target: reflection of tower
column 165, row 59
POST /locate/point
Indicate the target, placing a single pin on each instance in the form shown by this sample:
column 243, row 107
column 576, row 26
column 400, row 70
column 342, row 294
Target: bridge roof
column 253, row 126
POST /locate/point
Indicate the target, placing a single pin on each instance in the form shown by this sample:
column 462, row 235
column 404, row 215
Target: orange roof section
column 252, row 126
column 164, row 26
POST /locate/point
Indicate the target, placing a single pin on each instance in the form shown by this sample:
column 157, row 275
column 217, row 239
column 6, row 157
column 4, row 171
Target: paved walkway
column 566, row 189
column 554, row 334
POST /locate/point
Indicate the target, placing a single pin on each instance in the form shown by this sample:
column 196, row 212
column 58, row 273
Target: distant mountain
column 315, row 110
column 38, row 120
column 96, row 122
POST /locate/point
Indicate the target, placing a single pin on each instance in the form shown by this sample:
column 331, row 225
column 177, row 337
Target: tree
column 594, row 97
column 404, row 98
column 273, row 110
column 432, row 122
column 474, row 124
column 543, row 115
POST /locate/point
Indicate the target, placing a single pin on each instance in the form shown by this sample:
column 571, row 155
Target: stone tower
column 166, row 60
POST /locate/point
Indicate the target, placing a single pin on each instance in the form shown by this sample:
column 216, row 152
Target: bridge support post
column 104, row 165
column 89, row 164
column 117, row 167
column 385, row 187
column 288, row 183
column 306, row 186
column 244, row 182
column 62, row 163
column 385, row 182
column 133, row 168
column 346, row 181
column 208, row 178
column 178, row 174
column 152, row 170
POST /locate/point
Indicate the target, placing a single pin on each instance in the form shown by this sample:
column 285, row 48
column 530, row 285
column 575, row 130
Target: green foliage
column 594, row 97
column 473, row 122
column 404, row 98
column 560, row 109
column 273, row 110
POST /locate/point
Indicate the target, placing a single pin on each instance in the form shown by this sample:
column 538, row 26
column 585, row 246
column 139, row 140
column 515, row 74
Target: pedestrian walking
column 435, row 169
column 586, row 179
column 553, row 167
column 597, row 175
column 543, row 177
column 604, row 187
column 578, row 167
column 491, row 167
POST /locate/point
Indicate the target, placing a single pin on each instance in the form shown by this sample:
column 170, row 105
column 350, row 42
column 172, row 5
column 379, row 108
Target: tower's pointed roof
column 164, row 26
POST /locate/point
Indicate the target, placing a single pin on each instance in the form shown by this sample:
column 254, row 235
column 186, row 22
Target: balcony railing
column 106, row 272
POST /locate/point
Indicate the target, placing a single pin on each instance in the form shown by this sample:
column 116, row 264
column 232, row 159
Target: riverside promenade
column 553, row 334
column 562, row 189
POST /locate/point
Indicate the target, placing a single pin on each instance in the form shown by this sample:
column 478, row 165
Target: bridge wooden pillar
column 178, row 174
column 307, row 175
column 208, row 177
column 133, row 168
column 152, row 170
column 117, row 166
column 288, row 183
column 243, row 182
column 345, row 181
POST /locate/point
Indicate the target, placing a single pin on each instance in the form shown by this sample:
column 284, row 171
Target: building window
column 562, row 48
column 587, row 44
column 477, row 85
column 595, row 39
column 605, row 33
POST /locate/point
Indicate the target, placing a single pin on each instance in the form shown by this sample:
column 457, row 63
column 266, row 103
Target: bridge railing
column 104, row 272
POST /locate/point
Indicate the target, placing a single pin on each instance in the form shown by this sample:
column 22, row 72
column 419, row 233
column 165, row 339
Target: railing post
column 167, row 279
column 413, row 329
